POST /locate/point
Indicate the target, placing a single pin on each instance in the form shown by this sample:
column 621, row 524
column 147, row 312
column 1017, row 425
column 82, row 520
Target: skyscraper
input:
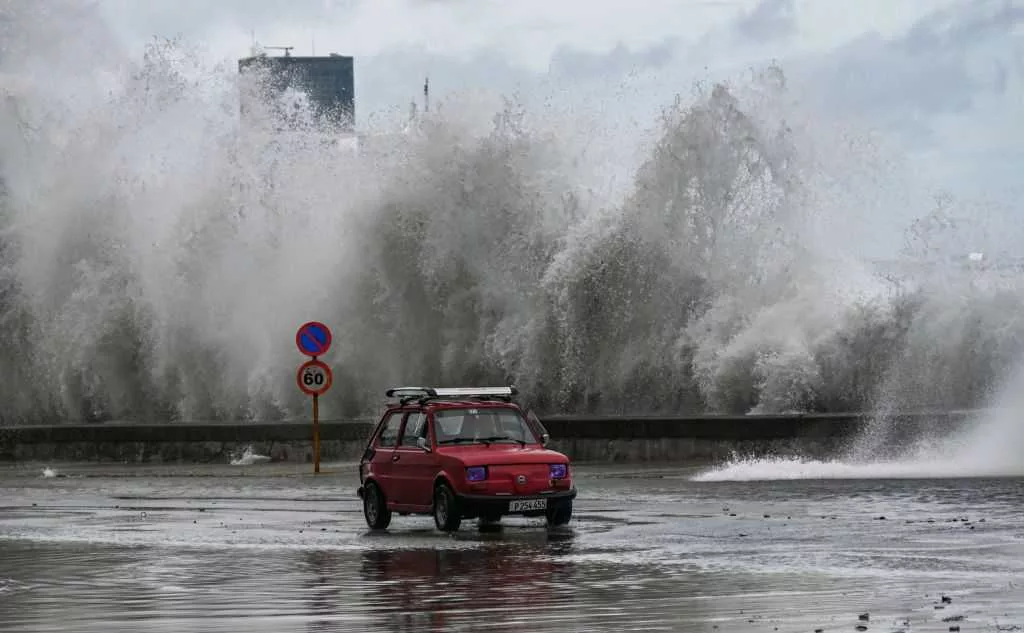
column 328, row 83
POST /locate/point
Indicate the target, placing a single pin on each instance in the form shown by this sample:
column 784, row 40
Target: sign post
column 314, row 376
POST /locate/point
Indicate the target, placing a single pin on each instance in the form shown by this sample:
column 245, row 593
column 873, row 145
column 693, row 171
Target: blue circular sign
column 313, row 338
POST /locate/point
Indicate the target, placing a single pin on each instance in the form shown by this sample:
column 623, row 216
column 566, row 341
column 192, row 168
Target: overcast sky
column 943, row 76
column 938, row 80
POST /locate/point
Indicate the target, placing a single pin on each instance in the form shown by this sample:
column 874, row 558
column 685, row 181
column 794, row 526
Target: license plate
column 524, row 505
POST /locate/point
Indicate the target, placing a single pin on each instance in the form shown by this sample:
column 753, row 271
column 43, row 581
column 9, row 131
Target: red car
column 461, row 453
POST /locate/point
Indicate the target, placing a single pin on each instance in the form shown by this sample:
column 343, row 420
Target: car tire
column 560, row 514
column 375, row 507
column 447, row 517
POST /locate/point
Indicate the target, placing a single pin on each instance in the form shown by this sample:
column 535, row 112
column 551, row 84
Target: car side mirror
column 422, row 443
column 544, row 439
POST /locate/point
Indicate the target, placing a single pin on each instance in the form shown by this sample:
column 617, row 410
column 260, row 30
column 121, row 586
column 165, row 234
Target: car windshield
column 484, row 425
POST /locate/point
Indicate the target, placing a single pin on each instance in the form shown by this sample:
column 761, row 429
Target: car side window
column 389, row 434
column 415, row 427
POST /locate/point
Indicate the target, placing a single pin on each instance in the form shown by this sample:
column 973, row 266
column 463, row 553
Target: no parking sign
column 313, row 339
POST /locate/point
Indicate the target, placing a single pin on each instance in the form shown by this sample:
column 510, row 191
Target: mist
column 156, row 256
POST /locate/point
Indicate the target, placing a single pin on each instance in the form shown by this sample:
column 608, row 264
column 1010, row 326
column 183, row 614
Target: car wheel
column 446, row 511
column 560, row 514
column 375, row 507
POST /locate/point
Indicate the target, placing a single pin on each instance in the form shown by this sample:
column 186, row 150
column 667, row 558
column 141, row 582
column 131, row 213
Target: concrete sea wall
column 681, row 440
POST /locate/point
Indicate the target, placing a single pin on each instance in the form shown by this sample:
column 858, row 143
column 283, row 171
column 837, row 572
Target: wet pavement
column 272, row 547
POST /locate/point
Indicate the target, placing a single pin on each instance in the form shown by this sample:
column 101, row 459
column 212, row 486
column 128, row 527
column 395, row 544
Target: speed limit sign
column 314, row 377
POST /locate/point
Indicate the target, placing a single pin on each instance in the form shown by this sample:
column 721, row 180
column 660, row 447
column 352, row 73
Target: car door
column 383, row 461
column 413, row 467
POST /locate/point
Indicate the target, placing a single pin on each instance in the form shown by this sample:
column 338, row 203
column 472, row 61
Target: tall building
column 328, row 82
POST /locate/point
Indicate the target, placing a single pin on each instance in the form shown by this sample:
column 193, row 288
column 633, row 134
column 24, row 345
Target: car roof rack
column 425, row 394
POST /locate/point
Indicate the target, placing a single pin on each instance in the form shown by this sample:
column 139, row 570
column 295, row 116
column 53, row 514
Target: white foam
column 769, row 469
column 989, row 445
column 249, row 457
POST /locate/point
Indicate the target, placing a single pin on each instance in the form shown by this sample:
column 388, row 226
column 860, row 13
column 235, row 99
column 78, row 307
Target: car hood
column 498, row 454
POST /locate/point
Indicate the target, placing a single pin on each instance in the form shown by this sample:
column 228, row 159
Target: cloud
column 941, row 77
column 619, row 61
column 769, row 20
column 525, row 33
column 946, row 88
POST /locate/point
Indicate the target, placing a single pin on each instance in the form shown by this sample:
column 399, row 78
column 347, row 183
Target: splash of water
column 248, row 458
column 156, row 255
column 988, row 445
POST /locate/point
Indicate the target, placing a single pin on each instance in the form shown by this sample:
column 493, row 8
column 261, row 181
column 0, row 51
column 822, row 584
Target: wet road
column 273, row 548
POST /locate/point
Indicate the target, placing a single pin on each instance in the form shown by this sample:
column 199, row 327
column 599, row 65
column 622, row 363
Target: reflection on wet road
column 273, row 548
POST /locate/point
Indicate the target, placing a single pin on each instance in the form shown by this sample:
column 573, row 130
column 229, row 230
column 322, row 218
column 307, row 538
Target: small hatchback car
column 459, row 453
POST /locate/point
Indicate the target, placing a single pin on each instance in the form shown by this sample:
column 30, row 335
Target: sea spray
column 157, row 254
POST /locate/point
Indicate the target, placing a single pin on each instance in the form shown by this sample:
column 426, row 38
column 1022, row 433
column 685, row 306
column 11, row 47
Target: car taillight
column 559, row 471
column 476, row 473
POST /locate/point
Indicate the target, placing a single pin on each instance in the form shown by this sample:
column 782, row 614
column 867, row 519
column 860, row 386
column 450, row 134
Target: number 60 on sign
column 314, row 377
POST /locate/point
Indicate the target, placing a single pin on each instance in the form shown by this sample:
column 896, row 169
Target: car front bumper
column 476, row 505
